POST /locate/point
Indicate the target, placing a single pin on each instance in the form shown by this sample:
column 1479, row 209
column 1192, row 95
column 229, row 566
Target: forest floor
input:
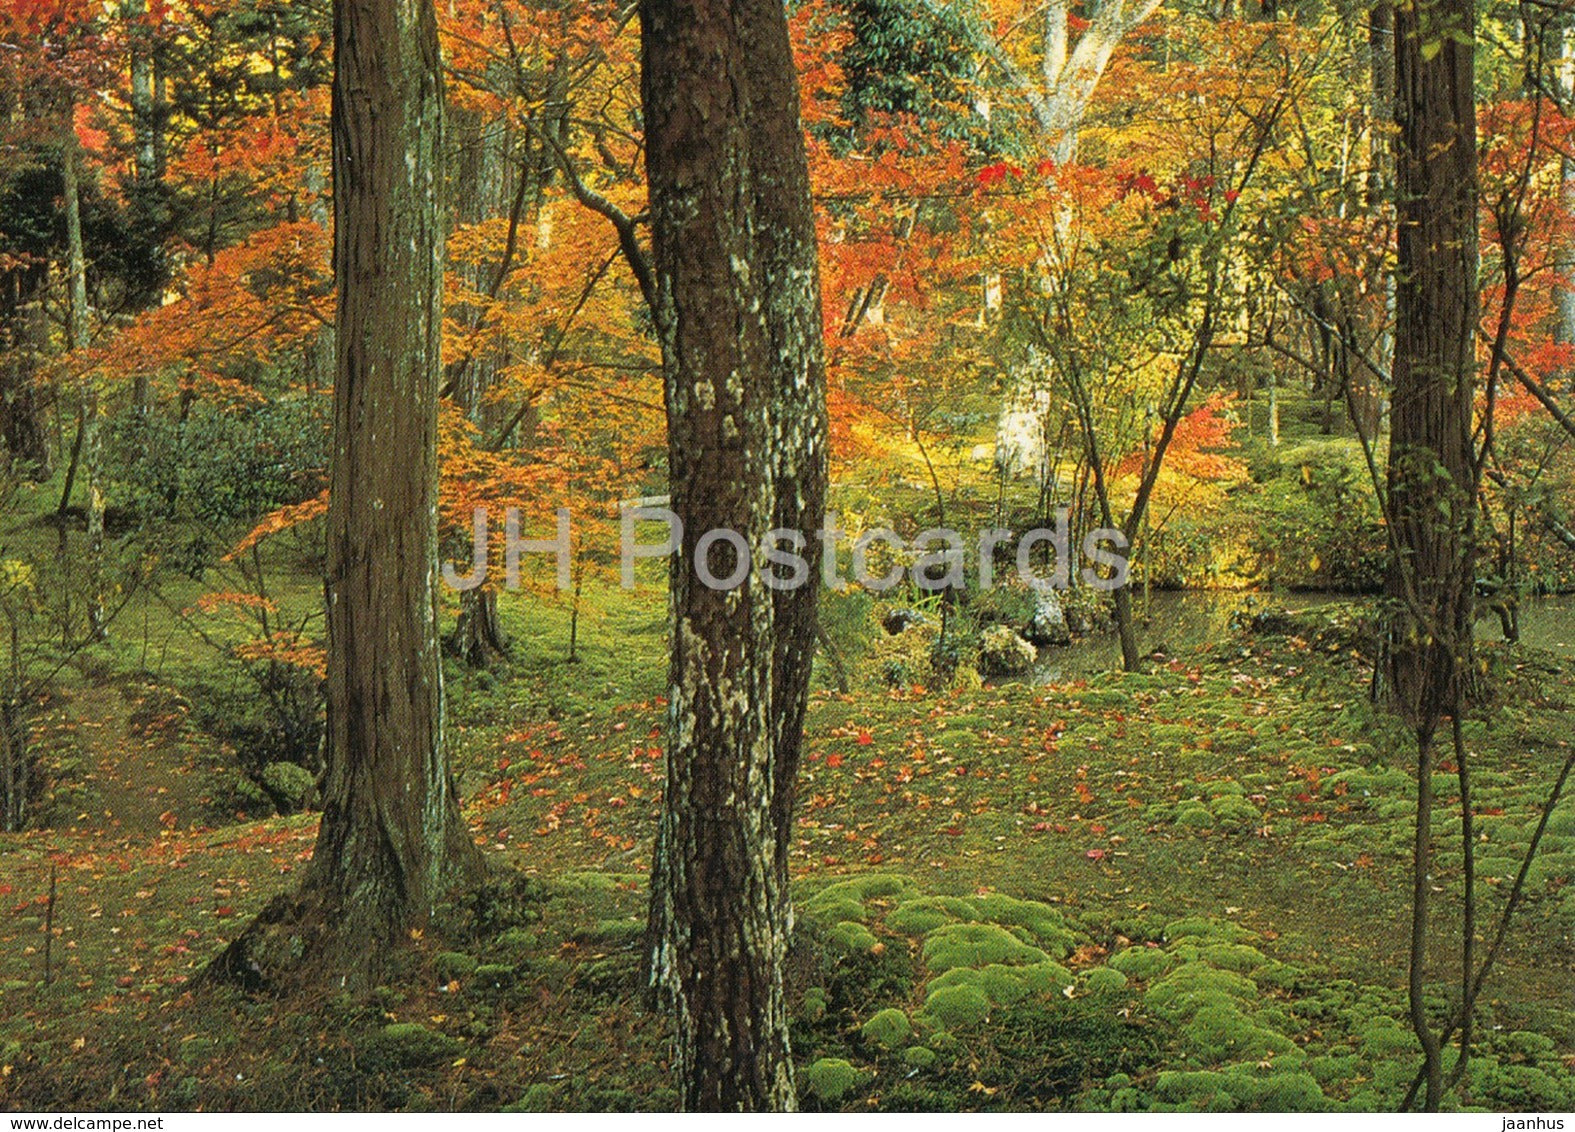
column 1185, row 888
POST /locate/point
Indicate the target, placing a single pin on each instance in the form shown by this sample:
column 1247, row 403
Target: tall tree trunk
column 89, row 435
column 392, row 839
column 145, row 130
column 790, row 280
column 477, row 151
column 26, row 332
column 1431, row 480
column 1565, row 252
column 738, row 320
column 1432, row 473
column 144, row 125
column 76, row 256
column 1380, row 194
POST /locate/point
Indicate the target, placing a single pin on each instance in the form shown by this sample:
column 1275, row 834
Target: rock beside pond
column 1003, row 653
column 1048, row 625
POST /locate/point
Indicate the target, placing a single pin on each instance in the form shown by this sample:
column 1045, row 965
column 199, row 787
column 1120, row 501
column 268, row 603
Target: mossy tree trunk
column 790, row 283
column 738, row 314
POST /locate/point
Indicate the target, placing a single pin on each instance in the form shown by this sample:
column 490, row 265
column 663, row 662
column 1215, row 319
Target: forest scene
column 847, row 555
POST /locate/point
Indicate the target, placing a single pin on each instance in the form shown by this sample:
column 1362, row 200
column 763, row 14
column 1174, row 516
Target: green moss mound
column 956, row 1007
column 1220, row 1032
column 406, row 1045
column 1241, row 1088
column 829, row 1079
column 1003, row 984
column 1204, row 929
column 1143, row 963
column 889, row 1028
column 847, row 899
column 926, row 913
column 1104, row 980
column 976, row 945
column 850, row 937
column 1193, row 986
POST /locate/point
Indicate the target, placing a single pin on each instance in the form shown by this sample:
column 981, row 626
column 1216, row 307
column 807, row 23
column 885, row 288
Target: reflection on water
column 1545, row 623
column 1179, row 621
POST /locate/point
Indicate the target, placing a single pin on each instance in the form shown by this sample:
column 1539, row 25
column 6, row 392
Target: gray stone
column 1003, row 653
column 1048, row 624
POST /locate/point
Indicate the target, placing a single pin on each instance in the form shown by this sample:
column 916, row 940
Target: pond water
column 1180, row 620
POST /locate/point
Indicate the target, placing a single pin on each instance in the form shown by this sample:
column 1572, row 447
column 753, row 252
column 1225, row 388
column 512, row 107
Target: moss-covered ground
column 1182, row 889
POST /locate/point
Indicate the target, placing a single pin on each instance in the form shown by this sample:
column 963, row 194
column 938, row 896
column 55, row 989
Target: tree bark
column 392, row 840
column 1380, row 199
column 478, row 631
column 26, row 332
column 1564, row 254
column 477, row 149
column 1431, row 478
column 1421, row 883
column 144, row 124
column 790, row 280
column 90, row 444
column 738, row 317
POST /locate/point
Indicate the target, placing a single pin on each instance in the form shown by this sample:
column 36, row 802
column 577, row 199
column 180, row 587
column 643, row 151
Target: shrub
column 292, row 787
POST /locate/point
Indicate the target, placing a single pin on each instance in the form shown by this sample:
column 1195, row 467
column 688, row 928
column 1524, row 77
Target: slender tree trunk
column 1274, row 409
column 13, row 736
column 789, row 263
column 1421, row 884
column 89, row 437
column 145, row 132
column 1380, row 203
column 574, row 615
column 76, row 257
column 478, row 632
column 478, row 153
column 392, row 840
column 93, row 465
column 26, row 334
column 144, row 127
column 1565, row 251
